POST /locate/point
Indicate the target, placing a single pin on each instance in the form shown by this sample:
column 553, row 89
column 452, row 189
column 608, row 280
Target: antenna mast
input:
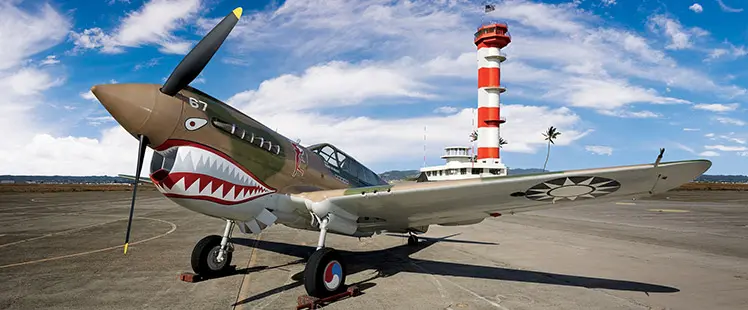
column 424, row 146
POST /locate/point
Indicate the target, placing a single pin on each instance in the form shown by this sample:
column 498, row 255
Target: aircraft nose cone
column 141, row 109
column 129, row 104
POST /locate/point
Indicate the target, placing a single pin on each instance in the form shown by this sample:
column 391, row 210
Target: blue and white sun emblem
column 572, row 188
column 333, row 274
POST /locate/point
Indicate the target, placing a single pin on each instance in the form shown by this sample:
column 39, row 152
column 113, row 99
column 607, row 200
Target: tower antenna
column 424, row 146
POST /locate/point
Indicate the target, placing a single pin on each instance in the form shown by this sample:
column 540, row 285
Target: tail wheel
column 204, row 257
column 412, row 240
column 324, row 273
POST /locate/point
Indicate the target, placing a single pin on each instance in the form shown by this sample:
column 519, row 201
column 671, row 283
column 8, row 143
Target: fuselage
column 215, row 160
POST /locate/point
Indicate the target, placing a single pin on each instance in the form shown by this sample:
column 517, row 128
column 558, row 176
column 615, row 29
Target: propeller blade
column 192, row 64
column 141, row 154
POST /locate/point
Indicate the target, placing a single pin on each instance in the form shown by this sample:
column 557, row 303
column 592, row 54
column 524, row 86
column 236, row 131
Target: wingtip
column 238, row 12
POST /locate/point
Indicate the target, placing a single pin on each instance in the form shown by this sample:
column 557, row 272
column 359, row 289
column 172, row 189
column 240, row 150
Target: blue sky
column 620, row 79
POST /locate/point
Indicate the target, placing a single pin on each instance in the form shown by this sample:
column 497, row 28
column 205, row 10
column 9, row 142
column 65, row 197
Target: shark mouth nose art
column 189, row 170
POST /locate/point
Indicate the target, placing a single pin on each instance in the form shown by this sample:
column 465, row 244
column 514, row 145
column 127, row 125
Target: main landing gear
column 212, row 254
column 325, row 271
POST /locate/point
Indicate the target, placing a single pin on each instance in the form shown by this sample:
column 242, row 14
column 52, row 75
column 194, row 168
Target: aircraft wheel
column 412, row 240
column 324, row 273
column 204, row 257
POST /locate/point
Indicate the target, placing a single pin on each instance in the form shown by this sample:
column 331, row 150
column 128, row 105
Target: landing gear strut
column 325, row 271
column 212, row 254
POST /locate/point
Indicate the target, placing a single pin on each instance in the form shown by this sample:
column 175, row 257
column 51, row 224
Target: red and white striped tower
column 490, row 39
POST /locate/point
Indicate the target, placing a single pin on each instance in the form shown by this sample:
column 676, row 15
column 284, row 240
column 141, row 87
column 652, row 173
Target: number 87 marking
column 196, row 104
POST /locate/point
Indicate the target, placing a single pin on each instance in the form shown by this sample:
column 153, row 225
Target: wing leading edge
column 469, row 201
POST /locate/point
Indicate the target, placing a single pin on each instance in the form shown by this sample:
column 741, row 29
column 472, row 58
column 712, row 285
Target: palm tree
column 502, row 141
column 550, row 135
column 474, row 136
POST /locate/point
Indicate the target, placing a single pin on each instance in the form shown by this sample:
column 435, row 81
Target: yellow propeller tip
column 238, row 12
column 126, row 247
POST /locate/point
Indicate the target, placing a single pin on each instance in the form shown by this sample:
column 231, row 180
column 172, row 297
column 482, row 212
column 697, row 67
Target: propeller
column 187, row 70
column 141, row 154
column 198, row 57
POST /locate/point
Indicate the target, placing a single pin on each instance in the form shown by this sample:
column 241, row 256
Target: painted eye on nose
column 194, row 123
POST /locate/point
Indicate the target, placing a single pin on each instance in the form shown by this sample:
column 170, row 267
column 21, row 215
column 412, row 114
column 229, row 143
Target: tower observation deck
column 489, row 39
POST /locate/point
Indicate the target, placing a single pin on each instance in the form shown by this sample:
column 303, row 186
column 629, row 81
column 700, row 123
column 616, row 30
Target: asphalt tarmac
column 64, row 251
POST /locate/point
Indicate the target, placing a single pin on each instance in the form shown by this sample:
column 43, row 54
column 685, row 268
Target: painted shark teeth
column 201, row 174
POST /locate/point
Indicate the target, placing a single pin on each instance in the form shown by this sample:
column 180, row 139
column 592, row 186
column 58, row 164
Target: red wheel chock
column 306, row 301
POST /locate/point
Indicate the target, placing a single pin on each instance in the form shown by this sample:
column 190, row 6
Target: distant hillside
column 723, row 178
column 61, row 179
column 395, row 175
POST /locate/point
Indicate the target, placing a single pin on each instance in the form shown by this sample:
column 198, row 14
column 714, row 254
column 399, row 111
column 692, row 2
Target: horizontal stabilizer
column 132, row 177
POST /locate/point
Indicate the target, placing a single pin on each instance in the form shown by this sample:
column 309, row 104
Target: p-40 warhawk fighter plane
column 212, row 159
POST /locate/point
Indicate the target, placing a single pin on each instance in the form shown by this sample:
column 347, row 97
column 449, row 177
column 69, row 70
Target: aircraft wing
column 470, row 201
column 132, row 177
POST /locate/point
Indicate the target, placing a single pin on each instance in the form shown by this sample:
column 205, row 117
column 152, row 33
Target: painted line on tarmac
column 244, row 287
column 669, row 210
column 173, row 228
column 626, row 203
column 59, row 233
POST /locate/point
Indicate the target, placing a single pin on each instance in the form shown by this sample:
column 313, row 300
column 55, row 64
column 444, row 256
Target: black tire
column 412, row 240
column 204, row 254
column 314, row 273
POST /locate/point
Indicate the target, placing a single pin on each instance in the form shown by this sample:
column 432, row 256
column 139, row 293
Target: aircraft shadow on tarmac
column 389, row 262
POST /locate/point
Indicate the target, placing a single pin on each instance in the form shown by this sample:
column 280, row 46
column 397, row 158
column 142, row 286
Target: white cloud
column 680, row 38
column 709, row 154
column 150, row 63
column 709, row 135
column 691, row 129
column 733, row 139
column 726, row 8
column 631, row 114
column 717, row 107
column 333, row 84
column 153, row 23
column 730, row 121
column 608, row 2
column 98, row 120
column 745, row 154
column 88, row 95
column 23, row 34
column 696, row 8
column 445, row 110
column 685, row 148
column 607, row 94
column 50, row 60
column 726, row 148
column 115, row 152
column 730, row 50
column 599, row 149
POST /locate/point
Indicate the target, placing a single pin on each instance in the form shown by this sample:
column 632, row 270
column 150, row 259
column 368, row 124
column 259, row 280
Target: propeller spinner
column 187, row 70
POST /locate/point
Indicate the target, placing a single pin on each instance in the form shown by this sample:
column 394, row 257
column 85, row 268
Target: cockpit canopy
column 345, row 166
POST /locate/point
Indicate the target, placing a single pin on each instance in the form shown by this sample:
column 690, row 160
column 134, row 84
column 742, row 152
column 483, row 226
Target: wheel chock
column 190, row 277
column 306, row 301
